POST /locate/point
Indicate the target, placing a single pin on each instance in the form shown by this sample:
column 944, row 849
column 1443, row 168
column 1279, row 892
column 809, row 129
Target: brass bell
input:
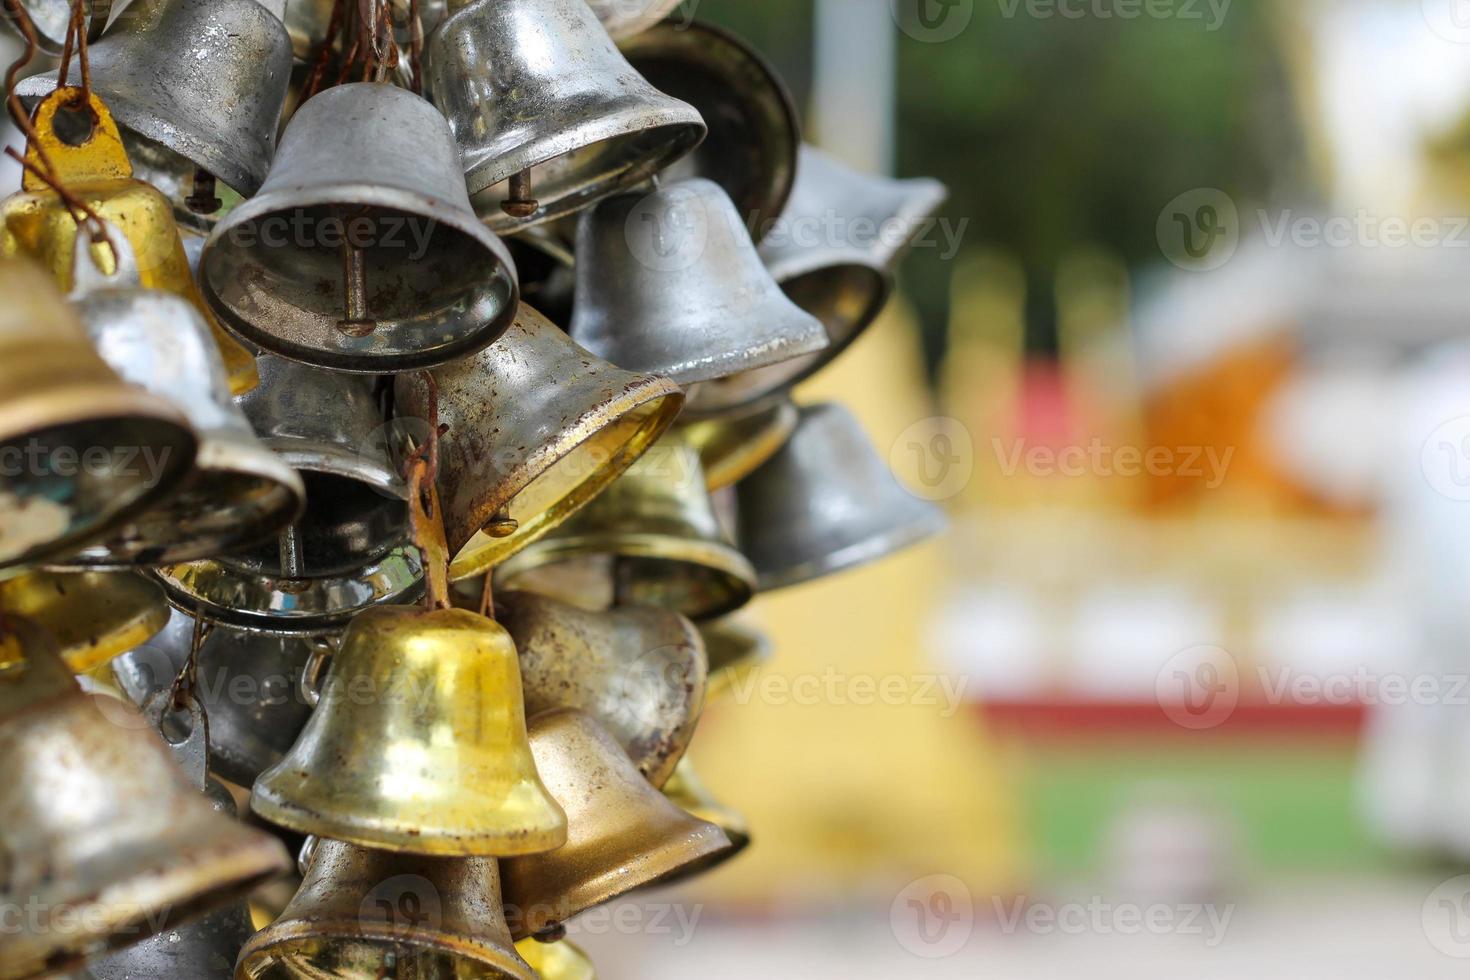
column 90, row 617
column 105, row 841
column 650, row 539
column 362, row 914
column 670, row 283
column 825, row 503
column 247, row 683
column 37, row 223
column 418, row 745
column 754, row 131
column 550, row 117
column 197, row 87
column 560, row 960
column 638, row 670
column 238, row 492
column 350, row 550
column 80, row 451
column 735, row 650
column 361, row 253
column 622, row 833
column 537, row 428
column 734, row 444
column 686, row 790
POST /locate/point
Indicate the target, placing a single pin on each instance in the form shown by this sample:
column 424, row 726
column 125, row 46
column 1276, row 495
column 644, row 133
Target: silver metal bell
column 350, row 550
column 238, row 493
column 537, row 428
column 197, row 87
column 247, row 683
column 825, row 503
column 754, row 130
column 50, row 19
column 549, row 115
column 361, row 252
column 624, row 18
column 670, row 283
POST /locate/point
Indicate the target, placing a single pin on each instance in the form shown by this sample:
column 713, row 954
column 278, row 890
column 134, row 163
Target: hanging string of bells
column 298, row 494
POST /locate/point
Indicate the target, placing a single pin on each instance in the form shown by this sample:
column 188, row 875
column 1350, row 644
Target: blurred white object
column 1123, row 637
column 998, row 637
column 1166, row 849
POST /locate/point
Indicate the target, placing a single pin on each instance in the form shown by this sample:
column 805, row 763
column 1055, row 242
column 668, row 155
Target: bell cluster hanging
column 397, row 416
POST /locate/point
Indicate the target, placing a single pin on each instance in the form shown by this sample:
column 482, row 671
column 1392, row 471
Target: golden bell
column 651, row 539
column 104, row 839
column 733, row 445
column 640, row 671
column 622, row 833
column 90, row 617
column 97, row 170
column 362, row 914
column 686, row 790
column 418, row 744
column 537, row 428
column 735, row 650
column 80, row 451
column 556, row 961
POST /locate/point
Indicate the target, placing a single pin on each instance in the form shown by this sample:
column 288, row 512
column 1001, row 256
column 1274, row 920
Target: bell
column 80, row 451
column 349, row 551
column 238, row 492
column 625, row 18
column 842, row 274
column 537, row 428
column 90, row 617
column 247, row 683
column 365, row 914
column 754, row 131
column 418, row 745
column 308, row 21
column 651, row 539
column 638, row 670
column 560, row 960
column 622, row 833
column 104, row 839
column 686, row 790
column 669, row 283
column 197, row 87
column 549, row 115
column 37, row 223
column 51, row 17
column 735, row 650
column 825, row 503
column 733, row 445
column 361, row 252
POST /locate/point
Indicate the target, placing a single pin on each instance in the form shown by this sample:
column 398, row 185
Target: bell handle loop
column 307, row 854
column 100, row 156
column 426, row 522
column 192, row 754
column 309, row 684
column 89, row 272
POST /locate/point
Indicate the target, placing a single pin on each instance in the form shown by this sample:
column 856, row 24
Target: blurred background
column 1184, row 691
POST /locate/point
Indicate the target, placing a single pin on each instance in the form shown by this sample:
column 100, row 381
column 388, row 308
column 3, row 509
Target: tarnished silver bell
column 50, row 19
column 537, row 428
column 640, row 671
column 651, row 538
column 669, row 282
column 238, row 492
column 550, row 117
column 624, row 18
column 754, row 131
column 247, row 683
column 361, row 252
column 350, row 550
column 834, row 252
column 197, row 87
column 309, row 20
column 825, row 503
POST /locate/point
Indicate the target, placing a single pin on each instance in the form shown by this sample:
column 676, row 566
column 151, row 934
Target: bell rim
column 750, row 453
column 281, row 936
column 919, row 528
column 46, row 43
column 394, row 577
column 723, row 560
column 287, row 200
column 145, row 621
column 664, row 400
column 633, row 26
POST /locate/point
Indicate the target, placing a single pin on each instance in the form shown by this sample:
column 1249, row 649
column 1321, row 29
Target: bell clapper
column 292, row 565
column 204, row 199
column 356, row 322
column 520, row 203
column 551, row 934
column 502, row 525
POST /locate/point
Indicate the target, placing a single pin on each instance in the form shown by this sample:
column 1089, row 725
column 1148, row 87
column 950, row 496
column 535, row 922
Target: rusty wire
column 187, row 682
